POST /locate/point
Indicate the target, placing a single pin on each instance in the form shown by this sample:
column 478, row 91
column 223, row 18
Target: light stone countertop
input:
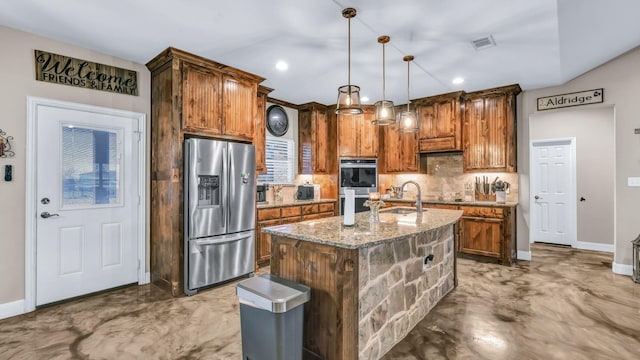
column 465, row 203
column 331, row 231
column 272, row 204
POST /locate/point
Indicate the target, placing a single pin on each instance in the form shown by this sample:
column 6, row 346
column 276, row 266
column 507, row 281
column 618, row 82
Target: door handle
column 537, row 197
column 46, row 214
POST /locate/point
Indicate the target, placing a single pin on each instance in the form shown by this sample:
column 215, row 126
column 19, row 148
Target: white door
column 87, row 202
column 552, row 192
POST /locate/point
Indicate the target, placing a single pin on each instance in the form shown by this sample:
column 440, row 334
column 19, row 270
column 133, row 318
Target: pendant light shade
column 349, row 95
column 385, row 113
column 408, row 118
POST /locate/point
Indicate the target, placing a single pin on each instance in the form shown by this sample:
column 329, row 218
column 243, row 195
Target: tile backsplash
column 445, row 179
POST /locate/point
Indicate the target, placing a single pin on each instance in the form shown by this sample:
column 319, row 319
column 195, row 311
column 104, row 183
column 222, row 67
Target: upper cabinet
column 357, row 136
column 259, row 131
column 440, row 123
column 489, row 131
column 239, row 106
column 316, row 139
column 212, row 99
column 398, row 150
column 201, row 99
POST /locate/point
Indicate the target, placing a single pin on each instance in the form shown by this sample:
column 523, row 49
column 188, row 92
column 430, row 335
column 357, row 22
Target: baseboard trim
column 11, row 309
column 524, row 255
column 622, row 269
column 594, row 246
column 147, row 278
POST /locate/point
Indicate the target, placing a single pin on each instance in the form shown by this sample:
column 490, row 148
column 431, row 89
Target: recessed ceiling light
column 365, row 99
column 282, row 66
column 457, row 81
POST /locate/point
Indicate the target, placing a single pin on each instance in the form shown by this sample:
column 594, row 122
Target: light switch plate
column 633, row 181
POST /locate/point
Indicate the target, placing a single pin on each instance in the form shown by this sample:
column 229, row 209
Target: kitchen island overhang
column 370, row 283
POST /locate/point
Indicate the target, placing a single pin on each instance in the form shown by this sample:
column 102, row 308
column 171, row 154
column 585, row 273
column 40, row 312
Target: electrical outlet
column 633, row 181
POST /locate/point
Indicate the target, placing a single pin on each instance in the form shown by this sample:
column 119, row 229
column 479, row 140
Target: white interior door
column 552, row 192
column 87, row 203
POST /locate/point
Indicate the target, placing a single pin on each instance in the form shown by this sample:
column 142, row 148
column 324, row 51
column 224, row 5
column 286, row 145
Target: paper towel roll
column 349, row 207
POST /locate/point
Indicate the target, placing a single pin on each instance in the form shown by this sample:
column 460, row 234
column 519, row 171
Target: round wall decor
column 277, row 120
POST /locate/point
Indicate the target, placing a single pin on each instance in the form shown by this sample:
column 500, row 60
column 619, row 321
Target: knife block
column 483, row 197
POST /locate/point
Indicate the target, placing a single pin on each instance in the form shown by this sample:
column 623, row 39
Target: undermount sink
column 401, row 210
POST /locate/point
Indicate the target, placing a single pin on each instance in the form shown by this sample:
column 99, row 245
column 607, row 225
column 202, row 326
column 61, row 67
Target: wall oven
column 361, row 175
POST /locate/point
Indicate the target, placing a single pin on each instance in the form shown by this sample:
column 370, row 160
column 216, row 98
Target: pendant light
column 349, row 95
column 408, row 119
column 385, row 113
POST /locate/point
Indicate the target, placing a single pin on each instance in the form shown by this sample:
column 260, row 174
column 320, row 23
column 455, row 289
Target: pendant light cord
column 408, row 66
column 349, row 59
column 384, row 96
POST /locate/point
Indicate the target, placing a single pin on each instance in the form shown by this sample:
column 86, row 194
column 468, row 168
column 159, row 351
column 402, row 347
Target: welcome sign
column 70, row 71
column 571, row 99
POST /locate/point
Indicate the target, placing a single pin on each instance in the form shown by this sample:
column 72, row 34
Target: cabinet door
column 320, row 139
column 367, row 135
column 427, row 119
column 348, row 135
column 481, row 236
column 489, row 133
column 474, row 131
column 259, row 136
column 392, row 153
column 239, row 103
column 201, row 100
column 263, row 243
column 445, row 118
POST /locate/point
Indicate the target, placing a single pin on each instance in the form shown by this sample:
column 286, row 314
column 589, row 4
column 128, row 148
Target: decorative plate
column 277, row 120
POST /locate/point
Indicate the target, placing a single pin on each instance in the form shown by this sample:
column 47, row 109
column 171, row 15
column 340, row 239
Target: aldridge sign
column 65, row 70
column 572, row 99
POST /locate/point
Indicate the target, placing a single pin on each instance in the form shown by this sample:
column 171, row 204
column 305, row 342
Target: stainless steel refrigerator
column 219, row 206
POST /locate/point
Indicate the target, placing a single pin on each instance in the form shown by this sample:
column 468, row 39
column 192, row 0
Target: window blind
column 280, row 161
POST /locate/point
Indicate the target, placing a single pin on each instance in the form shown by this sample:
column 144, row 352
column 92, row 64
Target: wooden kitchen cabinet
column 259, row 131
column 357, row 136
column 190, row 96
column 488, row 233
column 489, row 130
column 440, row 119
column 285, row 215
column 315, row 138
column 201, row 99
column 239, row 107
column 399, row 151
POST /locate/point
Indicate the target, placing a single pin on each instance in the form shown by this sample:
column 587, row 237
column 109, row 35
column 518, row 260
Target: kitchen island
column 370, row 283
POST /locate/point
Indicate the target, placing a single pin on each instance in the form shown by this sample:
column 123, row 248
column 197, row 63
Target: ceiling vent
column 483, row 43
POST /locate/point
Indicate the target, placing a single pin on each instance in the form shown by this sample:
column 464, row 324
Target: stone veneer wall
column 396, row 290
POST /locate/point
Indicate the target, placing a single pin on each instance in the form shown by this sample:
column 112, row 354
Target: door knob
column 537, row 197
column 46, row 214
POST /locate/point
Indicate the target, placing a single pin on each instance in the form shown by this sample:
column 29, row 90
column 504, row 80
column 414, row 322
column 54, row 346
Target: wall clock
column 277, row 120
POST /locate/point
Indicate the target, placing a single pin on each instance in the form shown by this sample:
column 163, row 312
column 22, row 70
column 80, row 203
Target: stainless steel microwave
column 359, row 174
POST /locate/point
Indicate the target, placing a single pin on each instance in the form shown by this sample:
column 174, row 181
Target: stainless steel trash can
column 271, row 317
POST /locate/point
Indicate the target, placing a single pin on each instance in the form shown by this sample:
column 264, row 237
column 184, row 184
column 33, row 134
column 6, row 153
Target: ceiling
column 538, row 43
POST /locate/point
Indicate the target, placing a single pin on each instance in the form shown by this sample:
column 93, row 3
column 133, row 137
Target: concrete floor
column 564, row 304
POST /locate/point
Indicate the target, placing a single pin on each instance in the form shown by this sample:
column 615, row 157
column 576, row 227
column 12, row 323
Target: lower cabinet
column 488, row 233
column 285, row 215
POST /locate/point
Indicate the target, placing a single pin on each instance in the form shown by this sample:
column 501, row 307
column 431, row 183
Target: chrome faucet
column 419, row 199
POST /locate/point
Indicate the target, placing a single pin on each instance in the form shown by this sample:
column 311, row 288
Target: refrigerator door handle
column 226, row 239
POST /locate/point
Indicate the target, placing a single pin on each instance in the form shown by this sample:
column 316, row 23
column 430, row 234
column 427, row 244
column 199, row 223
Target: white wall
column 17, row 70
column 592, row 126
column 620, row 79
